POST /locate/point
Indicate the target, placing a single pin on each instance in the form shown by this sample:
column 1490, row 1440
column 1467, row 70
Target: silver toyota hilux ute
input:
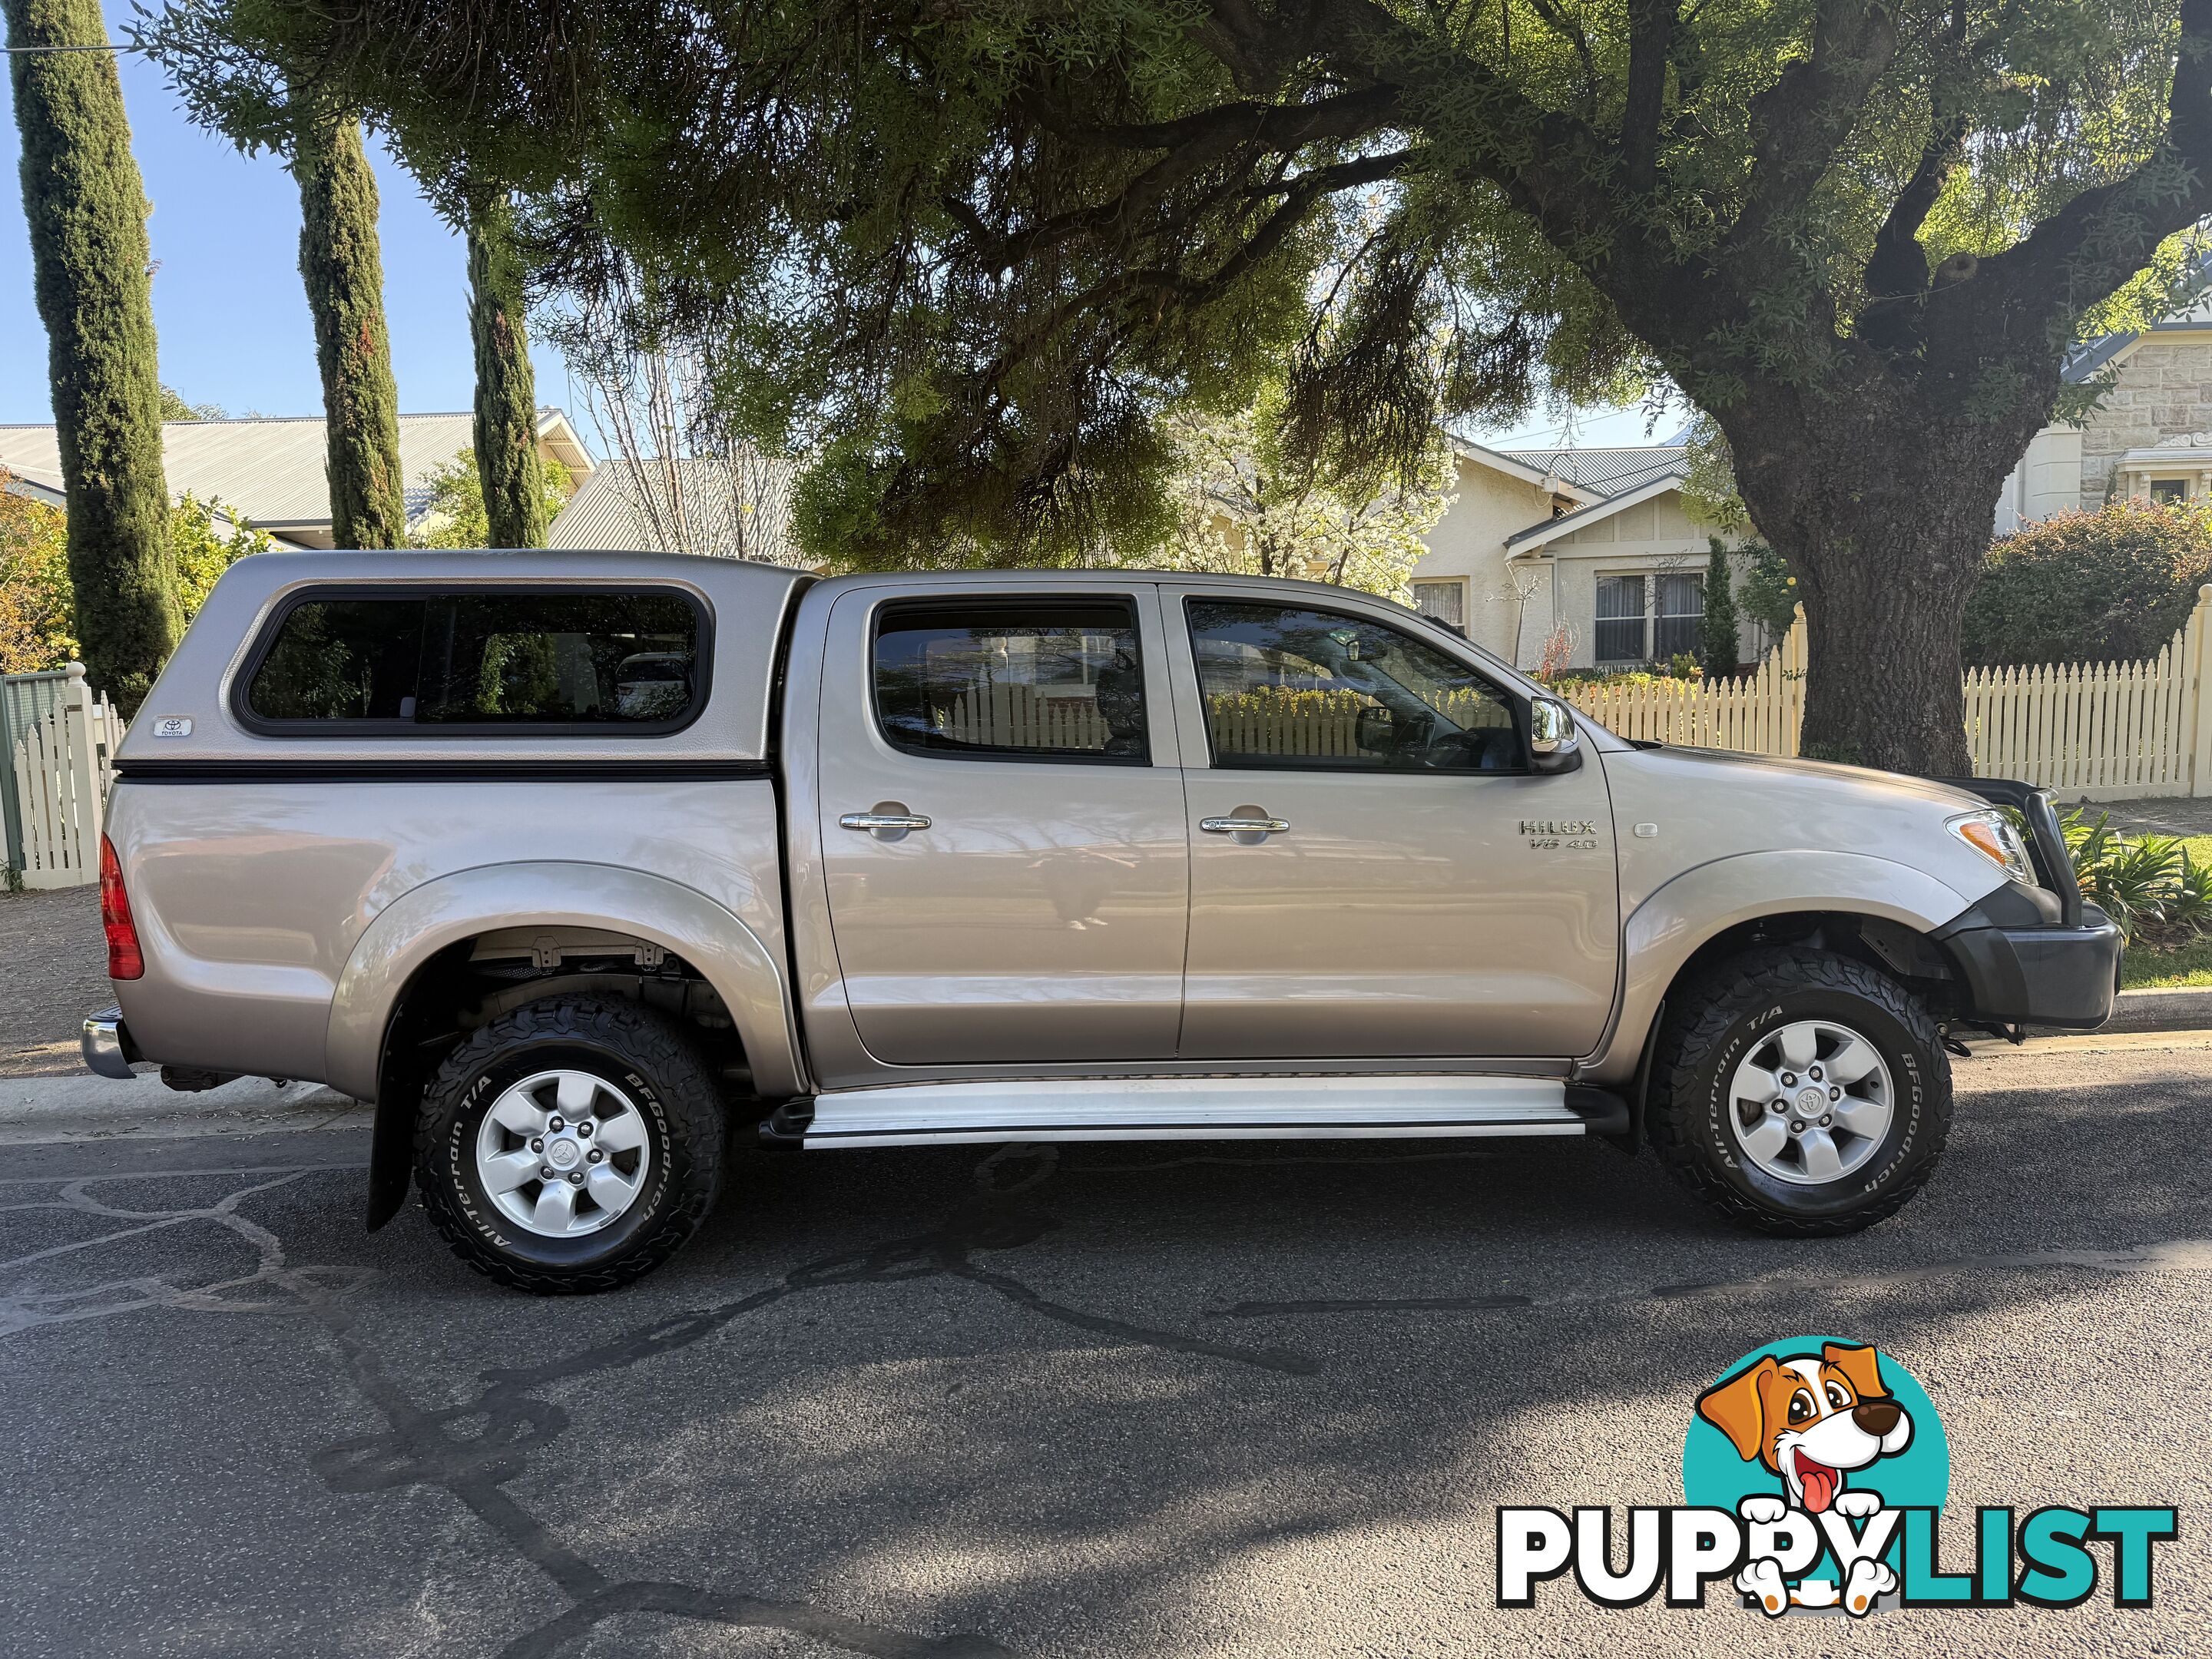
column 572, row 864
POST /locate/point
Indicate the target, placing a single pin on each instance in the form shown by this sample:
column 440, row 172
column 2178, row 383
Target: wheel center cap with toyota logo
column 562, row 1154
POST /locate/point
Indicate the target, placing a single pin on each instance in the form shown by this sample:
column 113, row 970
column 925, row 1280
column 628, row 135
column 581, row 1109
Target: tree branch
column 1651, row 24
column 2108, row 233
column 1798, row 123
column 1898, row 267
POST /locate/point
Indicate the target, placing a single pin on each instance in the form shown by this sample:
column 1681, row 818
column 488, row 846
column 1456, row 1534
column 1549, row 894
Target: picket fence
column 61, row 770
column 2110, row 731
column 2088, row 730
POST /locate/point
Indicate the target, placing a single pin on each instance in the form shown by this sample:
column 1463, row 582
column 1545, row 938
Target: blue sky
column 227, row 303
column 229, row 307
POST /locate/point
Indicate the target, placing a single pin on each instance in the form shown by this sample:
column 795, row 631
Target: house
column 736, row 505
column 1596, row 541
column 2149, row 437
column 271, row 471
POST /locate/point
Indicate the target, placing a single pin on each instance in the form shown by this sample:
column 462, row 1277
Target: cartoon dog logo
column 1811, row 1420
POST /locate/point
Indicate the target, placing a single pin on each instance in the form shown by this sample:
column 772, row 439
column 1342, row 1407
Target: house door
column 1002, row 825
column 1375, row 871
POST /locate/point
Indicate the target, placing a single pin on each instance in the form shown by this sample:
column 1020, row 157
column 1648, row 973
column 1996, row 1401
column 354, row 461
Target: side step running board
column 1196, row 1108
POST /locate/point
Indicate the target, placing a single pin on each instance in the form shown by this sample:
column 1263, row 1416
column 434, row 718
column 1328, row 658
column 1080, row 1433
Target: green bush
column 2107, row 586
column 2148, row 884
column 1769, row 594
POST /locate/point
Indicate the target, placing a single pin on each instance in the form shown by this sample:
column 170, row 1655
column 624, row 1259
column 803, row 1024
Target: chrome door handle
column 1243, row 826
column 873, row 821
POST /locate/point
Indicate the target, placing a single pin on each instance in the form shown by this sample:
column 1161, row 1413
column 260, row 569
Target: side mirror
column 1375, row 729
column 1554, row 742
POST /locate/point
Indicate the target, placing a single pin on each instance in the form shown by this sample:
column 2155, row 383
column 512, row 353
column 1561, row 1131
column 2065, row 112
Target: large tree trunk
column 86, row 207
column 343, row 270
column 1884, row 512
column 506, row 389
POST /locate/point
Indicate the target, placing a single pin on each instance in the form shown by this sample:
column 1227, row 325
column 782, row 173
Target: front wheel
column 571, row 1144
column 1800, row 1093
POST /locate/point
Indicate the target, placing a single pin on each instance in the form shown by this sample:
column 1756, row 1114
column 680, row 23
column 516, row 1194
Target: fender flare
column 1686, row 913
column 426, row 919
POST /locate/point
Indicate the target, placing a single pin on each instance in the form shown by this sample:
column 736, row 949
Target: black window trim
column 985, row 604
column 1515, row 705
column 242, row 685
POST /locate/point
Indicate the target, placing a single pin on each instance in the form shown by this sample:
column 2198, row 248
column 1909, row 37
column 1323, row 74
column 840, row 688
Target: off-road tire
column 651, row 1060
column 1710, row 1026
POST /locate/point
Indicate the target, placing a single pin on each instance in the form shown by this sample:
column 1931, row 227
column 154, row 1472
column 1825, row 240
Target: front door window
column 1286, row 687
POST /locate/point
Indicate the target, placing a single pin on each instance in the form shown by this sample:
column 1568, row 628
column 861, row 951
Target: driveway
column 1247, row 1398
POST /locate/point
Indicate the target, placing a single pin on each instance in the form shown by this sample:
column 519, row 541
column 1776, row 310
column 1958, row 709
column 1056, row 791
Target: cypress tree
column 344, row 273
column 1718, row 635
column 86, row 207
column 507, row 388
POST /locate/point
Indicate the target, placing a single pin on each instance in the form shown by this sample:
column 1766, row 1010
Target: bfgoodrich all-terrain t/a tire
column 1800, row 1092
column 571, row 1144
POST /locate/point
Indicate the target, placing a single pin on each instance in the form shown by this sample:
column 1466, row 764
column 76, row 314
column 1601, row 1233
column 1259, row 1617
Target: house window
column 1681, row 610
column 1621, row 618
column 2169, row 492
column 1445, row 601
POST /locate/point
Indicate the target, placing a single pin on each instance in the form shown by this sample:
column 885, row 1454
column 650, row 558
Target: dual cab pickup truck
column 573, row 864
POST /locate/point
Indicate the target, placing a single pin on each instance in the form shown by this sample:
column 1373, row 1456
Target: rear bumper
column 107, row 1044
column 2038, row 975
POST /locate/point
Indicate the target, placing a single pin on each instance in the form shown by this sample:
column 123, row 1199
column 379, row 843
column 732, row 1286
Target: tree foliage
column 1769, row 595
column 1252, row 506
column 455, row 512
column 86, row 207
column 174, row 408
column 2106, row 587
column 38, row 601
column 513, row 482
column 342, row 263
column 971, row 254
column 1717, row 642
column 37, row 625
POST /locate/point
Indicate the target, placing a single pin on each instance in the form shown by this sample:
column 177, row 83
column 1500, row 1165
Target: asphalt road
column 1226, row 1399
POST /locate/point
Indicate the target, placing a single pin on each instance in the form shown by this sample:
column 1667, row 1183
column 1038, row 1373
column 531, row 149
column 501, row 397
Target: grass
column 2149, row 967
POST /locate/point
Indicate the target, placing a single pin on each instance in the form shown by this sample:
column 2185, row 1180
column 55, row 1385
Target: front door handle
column 888, row 821
column 1250, row 825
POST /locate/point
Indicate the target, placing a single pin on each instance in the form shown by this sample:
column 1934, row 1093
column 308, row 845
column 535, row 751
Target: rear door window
column 485, row 658
column 1055, row 679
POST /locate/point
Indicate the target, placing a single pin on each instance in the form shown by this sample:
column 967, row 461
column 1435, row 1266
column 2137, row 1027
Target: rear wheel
column 571, row 1144
column 1800, row 1092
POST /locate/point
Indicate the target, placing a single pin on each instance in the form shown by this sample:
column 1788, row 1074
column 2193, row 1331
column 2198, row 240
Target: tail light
column 124, row 960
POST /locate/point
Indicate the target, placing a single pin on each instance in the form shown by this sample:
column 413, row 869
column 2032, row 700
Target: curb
column 2181, row 1008
column 82, row 1107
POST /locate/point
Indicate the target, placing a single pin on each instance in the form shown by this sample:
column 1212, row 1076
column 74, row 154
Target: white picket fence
column 63, row 769
column 2087, row 731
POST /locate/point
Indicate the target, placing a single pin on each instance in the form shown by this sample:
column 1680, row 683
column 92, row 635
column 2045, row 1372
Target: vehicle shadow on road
column 1158, row 1398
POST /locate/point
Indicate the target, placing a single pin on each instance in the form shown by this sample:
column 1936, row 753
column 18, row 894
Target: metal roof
column 271, row 470
column 732, row 507
column 1606, row 471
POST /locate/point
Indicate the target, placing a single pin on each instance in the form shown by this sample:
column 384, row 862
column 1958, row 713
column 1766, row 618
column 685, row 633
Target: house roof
column 733, row 506
column 1515, row 467
column 1605, row 472
column 271, row 470
column 1651, row 483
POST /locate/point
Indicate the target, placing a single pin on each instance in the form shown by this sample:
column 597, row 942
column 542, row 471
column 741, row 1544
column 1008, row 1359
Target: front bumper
column 107, row 1044
column 2040, row 975
column 2035, row 956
